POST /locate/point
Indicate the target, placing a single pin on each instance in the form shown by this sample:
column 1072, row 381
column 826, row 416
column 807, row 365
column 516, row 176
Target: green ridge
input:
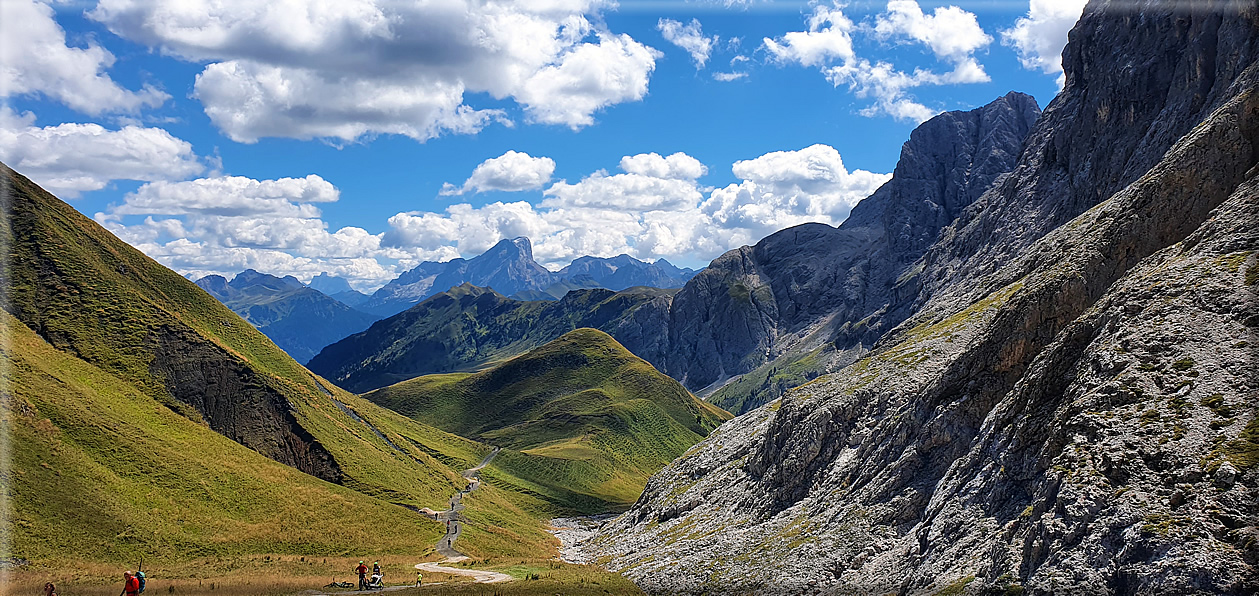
column 583, row 422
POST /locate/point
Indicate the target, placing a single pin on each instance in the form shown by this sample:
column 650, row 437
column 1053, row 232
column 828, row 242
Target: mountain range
column 508, row 268
column 299, row 319
column 759, row 319
column 1025, row 365
column 469, row 327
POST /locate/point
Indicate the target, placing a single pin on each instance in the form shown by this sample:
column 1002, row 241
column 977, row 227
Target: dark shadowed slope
column 469, row 328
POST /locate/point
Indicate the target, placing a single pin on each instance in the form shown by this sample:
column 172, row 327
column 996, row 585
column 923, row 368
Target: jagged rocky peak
column 1134, row 85
column 948, row 162
column 793, row 290
column 518, row 248
column 1074, row 417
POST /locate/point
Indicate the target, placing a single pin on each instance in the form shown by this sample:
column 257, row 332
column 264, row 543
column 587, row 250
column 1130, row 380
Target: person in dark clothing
column 361, row 570
column 49, row 589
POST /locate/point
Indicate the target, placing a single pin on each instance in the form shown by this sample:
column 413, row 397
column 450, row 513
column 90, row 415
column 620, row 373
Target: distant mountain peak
column 330, row 284
column 519, row 246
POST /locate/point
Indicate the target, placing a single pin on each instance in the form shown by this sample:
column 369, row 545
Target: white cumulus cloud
column 678, row 166
column 512, row 171
column 72, row 158
column 1040, row 36
column 35, row 59
column 786, row 188
column 350, row 69
column 224, row 224
column 829, row 38
column 689, row 37
column 951, row 34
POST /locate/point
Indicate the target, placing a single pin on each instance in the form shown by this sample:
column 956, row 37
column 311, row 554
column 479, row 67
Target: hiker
column 130, row 586
column 361, row 570
column 49, row 589
column 419, row 578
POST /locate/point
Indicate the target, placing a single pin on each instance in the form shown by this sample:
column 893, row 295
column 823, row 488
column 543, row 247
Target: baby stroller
column 376, row 581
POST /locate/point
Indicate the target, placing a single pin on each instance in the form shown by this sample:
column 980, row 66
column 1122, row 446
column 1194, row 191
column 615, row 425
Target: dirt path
column 481, row 577
column 454, row 527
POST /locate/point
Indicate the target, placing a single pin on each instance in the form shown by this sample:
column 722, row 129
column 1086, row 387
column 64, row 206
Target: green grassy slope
column 103, row 472
column 155, row 354
column 583, row 422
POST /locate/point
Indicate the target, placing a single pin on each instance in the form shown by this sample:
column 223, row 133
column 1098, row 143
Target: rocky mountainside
column 468, row 328
column 1069, row 403
column 580, row 419
column 300, row 320
column 509, row 269
column 821, row 295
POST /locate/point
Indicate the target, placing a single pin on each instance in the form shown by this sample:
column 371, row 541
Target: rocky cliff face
column 796, row 289
column 1069, row 404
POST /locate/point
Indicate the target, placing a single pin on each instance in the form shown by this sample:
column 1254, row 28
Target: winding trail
column 454, row 526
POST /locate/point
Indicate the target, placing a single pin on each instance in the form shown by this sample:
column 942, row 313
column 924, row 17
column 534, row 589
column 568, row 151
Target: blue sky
column 361, row 137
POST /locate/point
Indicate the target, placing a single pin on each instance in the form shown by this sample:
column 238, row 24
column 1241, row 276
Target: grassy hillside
column 469, row 328
column 583, row 422
column 103, row 472
column 119, row 374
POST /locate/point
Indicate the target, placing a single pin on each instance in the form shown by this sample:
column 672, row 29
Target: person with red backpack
column 131, row 585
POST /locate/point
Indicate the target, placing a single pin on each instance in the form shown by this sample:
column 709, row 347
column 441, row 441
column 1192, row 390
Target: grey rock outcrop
column 1067, row 407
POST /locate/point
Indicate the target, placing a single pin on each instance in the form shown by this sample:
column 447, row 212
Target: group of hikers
column 363, row 582
column 375, row 583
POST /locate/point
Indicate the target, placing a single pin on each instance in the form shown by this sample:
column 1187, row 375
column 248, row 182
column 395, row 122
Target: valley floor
column 290, row 574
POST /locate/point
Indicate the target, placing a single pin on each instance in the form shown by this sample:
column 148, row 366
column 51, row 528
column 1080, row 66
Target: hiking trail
column 454, row 527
